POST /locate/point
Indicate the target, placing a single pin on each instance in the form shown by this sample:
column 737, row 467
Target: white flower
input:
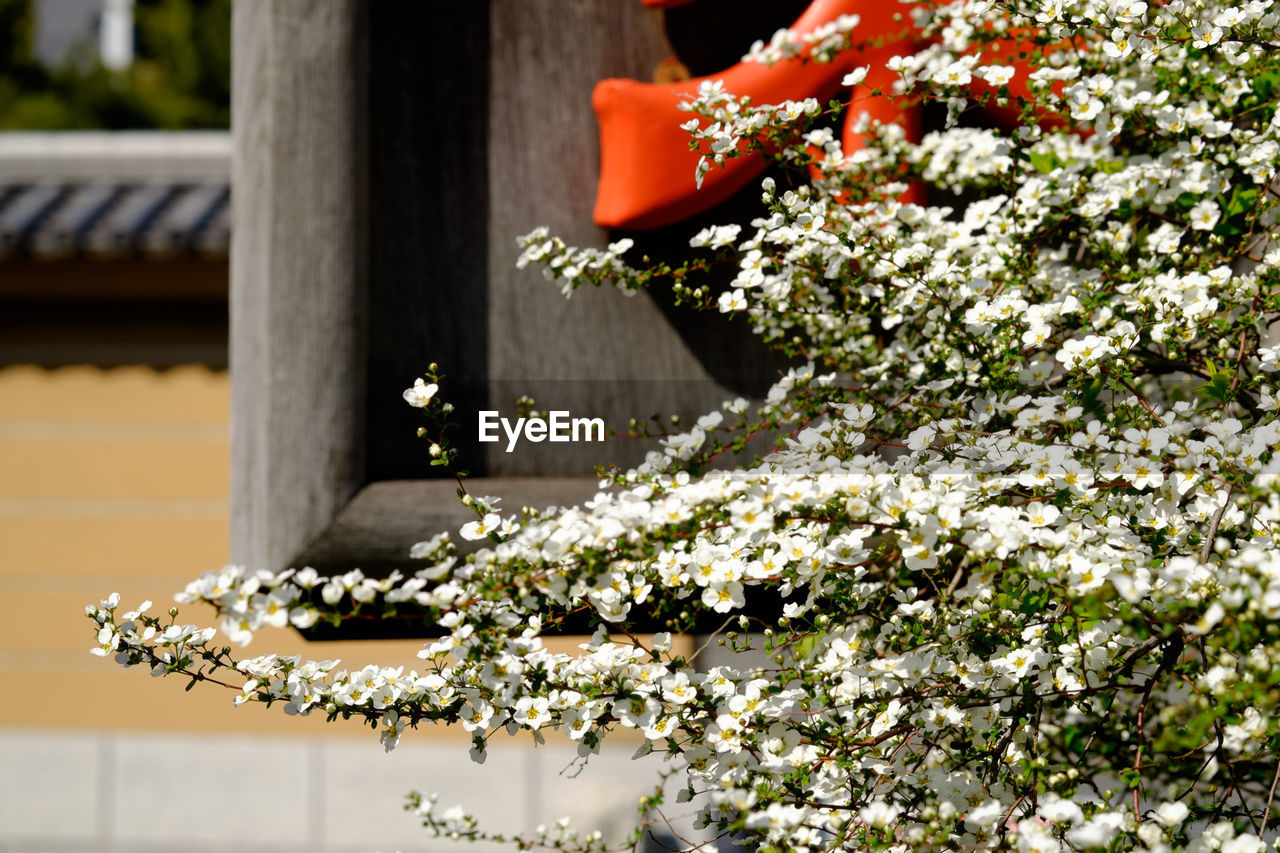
column 420, row 394
column 1172, row 814
column 1119, row 46
column 985, row 815
column 1205, row 215
column 1055, row 809
column 1205, row 34
column 879, row 813
column 1128, row 11
column 1145, row 473
column 1246, row 843
column 996, row 75
column 532, row 713
column 677, row 690
column 480, row 529
column 856, row 76
column 733, row 300
column 716, row 236
column 1098, row 831
column 1084, row 352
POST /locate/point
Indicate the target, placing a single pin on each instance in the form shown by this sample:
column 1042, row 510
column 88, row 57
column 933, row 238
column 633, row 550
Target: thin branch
column 1266, row 813
column 1213, row 527
column 710, row 637
column 1141, row 399
column 690, row 845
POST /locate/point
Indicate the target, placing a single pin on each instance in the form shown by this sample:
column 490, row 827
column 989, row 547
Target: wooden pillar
column 298, row 271
column 602, row 353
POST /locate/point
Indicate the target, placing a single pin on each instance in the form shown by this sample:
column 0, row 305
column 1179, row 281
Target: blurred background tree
column 179, row 79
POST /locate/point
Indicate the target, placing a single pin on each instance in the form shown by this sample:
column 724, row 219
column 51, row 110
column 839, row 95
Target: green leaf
column 1242, row 199
column 1266, row 83
column 1089, row 398
column 1045, row 162
column 1073, row 738
column 1219, row 387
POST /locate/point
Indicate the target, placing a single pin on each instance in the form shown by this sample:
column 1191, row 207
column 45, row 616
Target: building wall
column 108, row 478
column 115, row 479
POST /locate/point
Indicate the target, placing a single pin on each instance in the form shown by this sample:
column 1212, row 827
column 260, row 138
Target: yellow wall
column 115, row 479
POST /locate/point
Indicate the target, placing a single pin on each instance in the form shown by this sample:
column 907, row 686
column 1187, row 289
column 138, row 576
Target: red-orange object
column 646, row 165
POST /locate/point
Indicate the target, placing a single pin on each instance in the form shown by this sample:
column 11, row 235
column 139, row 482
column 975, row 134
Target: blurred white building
column 84, row 30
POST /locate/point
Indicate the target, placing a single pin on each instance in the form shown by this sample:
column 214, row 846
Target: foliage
column 180, row 78
column 1023, row 504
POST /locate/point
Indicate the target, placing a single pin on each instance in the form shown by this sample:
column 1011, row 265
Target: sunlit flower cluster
column 1012, row 563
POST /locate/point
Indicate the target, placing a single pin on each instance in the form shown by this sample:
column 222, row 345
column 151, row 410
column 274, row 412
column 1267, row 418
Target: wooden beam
column 377, row 528
column 177, row 280
column 430, row 197
column 298, row 271
column 601, row 353
column 72, row 156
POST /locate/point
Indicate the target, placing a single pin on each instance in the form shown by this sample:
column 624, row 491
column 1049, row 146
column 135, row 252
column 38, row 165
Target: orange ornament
column 646, row 164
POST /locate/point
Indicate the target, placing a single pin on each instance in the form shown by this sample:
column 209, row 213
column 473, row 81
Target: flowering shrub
column 1022, row 509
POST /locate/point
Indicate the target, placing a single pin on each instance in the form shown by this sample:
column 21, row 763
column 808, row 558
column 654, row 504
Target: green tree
column 180, row 79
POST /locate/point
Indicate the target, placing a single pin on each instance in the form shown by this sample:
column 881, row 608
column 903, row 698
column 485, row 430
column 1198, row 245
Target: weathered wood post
column 387, row 156
column 299, row 271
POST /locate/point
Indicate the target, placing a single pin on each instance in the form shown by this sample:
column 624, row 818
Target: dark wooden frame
column 368, row 191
